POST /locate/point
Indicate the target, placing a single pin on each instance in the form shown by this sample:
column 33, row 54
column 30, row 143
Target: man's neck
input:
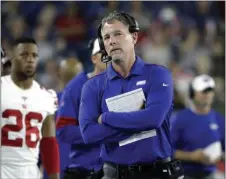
column 23, row 83
column 200, row 110
column 95, row 72
column 124, row 67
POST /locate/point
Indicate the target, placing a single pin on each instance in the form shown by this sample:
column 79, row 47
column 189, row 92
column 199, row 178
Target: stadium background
column 187, row 37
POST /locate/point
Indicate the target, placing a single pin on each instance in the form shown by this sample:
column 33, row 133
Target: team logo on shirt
column 143, row 82
column 206, row 79
column 62, row 103
column 214, row 126
column 24, row 106
column 24, row 98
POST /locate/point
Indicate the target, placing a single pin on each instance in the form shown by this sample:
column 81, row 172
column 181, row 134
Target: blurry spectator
column 60, row 45
column 50, row 78
column 171, row 22
column 10, row 8
column 71, row 25
column 17, row 27
column 46, row 47
column 105, row 8
column 205, row 11
column 195, row 56
column 140, row 14
column 220, row 88
column 47, row 16
column 218, row 57
column 155, row 48
column 69, row 69
column 167, row 15
column 204, row 64
column 112, row 6
column 181, row 84
column 210, row 31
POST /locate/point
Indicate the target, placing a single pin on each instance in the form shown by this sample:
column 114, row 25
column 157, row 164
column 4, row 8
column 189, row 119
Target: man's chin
column 202, row 104
column 117, row 58
column 30, row 74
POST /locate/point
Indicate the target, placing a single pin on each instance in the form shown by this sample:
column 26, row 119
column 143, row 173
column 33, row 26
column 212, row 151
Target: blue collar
column 136, row 69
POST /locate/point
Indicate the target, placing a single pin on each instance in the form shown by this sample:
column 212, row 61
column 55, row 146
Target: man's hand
column 199, row 156
column 142, row 106
column 100, row 119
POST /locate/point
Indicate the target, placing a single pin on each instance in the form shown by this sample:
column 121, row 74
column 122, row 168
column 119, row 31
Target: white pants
column 10, row 171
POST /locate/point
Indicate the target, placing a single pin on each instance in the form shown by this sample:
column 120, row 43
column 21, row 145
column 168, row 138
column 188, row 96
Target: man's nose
column 30, row 59
column 112, row 40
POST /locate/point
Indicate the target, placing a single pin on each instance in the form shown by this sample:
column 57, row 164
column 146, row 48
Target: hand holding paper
column 99, row 120
column 128, row 102
column 213, row 151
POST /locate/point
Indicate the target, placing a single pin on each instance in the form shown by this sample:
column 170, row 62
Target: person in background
column 5, row 64
column 69, row 68
column 196, row 128
column 84, row 159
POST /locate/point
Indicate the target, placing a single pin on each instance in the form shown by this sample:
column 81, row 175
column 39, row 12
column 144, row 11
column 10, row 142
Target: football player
column 27, row 121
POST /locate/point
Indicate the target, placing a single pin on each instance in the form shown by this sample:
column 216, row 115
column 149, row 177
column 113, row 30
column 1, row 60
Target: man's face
column 96, row 59
column 118, row 41
column 204, row 98
column 24, row 60
column 68, row 69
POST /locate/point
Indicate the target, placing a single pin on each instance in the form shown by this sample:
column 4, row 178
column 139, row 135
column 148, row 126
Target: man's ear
column 135, row 37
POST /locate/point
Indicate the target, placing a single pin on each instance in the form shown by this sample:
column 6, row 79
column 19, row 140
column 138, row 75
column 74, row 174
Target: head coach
column 148, row 156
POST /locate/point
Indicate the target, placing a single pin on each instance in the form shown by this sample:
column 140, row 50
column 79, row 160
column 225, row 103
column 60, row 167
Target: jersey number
column 18, row 142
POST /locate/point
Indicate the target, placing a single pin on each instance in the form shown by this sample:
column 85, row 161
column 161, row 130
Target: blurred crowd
column 187, row 37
